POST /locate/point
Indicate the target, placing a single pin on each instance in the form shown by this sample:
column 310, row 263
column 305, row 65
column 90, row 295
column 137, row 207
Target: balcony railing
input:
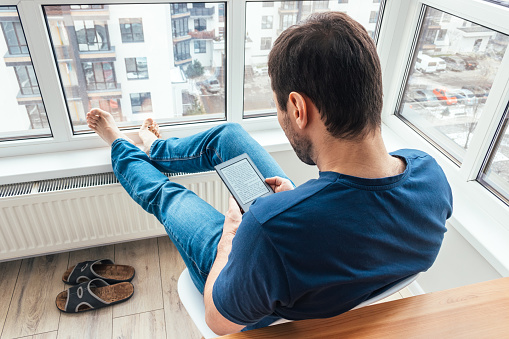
column 202, row 11
column 203, row 34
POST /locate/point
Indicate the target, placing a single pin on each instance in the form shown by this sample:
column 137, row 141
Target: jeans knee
column 231, row 130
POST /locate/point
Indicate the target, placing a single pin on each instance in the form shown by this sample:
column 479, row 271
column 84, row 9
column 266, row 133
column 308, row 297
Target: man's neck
column 364, row 158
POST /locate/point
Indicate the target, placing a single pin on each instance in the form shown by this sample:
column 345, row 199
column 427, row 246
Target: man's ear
column 297, row 109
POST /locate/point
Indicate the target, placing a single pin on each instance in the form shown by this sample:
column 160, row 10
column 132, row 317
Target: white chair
column 192, row 300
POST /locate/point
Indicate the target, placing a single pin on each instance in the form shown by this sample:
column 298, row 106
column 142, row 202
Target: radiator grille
column 61, row 184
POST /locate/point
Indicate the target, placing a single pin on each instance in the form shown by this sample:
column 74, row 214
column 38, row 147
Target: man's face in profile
column 301, row 145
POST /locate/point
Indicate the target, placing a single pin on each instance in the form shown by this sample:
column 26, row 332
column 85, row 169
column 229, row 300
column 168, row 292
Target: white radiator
column 65, row 214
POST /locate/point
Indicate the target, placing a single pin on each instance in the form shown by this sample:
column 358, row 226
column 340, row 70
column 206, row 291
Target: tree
column 194, row 70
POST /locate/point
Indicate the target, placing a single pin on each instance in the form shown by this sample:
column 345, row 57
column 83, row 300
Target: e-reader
column 244, row 180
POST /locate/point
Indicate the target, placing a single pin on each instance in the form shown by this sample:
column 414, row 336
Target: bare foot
column 149, row 132
column 104, row 125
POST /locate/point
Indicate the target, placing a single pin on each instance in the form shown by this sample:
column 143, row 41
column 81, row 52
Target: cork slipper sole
column 109, row 295
column 107, row 271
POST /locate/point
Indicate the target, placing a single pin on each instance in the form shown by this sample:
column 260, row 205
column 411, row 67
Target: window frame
column 131, row 30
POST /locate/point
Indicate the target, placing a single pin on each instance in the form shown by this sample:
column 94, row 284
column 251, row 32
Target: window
column 200, row 46
column 455, row 80
column 22, row 114
column 376, row 1
column 178, row 9
column 283, row 14
column 92, row 35
column 26, row 79
column 266, row 43
column 180, row 27
column 136, row 68
column 141, row 102
column 99, row 75
column 200, row 24
column 267, row 22
column 131, row 30
column 182, row 51
column 14, row 37
column 495, row 173
column 321, row 4
column 109, row 78
column 373, row 16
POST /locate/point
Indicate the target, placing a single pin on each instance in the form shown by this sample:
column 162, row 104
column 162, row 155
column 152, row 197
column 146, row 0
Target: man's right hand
column 279, row 184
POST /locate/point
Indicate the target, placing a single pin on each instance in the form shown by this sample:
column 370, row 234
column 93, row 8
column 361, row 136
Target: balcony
column 101, row 55
column 204, row 35
column 182, row 59
column 202, row 11
column 28, row 99
column 17, row 59
column 180, row 15
column 177, row 39
column 290, row 10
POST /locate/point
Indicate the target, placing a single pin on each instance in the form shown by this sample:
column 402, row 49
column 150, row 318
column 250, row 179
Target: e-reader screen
column 243, row 180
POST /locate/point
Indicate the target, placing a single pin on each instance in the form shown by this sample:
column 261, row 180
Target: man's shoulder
column 266, row 208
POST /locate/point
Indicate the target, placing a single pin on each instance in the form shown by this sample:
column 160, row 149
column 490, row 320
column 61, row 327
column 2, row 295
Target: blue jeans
column 193, row 225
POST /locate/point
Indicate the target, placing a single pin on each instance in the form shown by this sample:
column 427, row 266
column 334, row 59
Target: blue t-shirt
column 331, row 243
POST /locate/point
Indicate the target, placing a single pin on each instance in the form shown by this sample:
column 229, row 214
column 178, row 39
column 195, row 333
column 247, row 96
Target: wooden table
column 473, row 311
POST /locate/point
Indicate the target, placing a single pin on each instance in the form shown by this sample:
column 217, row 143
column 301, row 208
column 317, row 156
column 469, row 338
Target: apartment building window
column 136, row 68
column 109, row 105
column 200, row 24
column 182, row 51
column 342, row 1
column 200, row 46
column 373, row 17
column 27, row 80
column 220, row 12
column 141, row 102
column 321, row 4
column 288, row 20
column 267, row 22
column 87, row 7
column 180, row 27
column 289, row 5
column 132, row 30
column 178, row 8
column 14, row 37
column 266, row 43
column 37, row 116
column 99, row 75
column 92, row 35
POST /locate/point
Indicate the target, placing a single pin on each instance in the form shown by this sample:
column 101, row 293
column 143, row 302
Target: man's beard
column 301, row 145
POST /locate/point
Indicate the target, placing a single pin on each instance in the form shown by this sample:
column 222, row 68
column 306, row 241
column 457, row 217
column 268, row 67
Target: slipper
column 103, row 268
column 92, row 295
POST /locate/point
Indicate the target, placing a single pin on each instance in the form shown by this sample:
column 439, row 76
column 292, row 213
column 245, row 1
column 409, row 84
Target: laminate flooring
column 28, row 289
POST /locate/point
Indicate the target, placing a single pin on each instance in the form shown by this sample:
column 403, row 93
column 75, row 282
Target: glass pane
column 22, row 114
column 121, row 42
column 454, row 65
column 496, row 173
column 264, row 22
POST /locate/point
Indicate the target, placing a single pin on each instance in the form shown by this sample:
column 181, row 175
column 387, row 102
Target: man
column 370, row 220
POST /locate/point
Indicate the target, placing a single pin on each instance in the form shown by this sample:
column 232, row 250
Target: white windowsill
column 96, row 160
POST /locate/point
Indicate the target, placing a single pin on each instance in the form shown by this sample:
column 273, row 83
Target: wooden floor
column 28, row 289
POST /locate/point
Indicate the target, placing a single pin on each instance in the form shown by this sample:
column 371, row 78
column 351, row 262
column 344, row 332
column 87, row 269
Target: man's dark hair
column 332, row 60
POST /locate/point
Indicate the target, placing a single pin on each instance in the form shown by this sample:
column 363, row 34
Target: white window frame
column 479, row 216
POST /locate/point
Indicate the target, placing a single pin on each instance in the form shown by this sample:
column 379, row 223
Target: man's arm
column 215, row 320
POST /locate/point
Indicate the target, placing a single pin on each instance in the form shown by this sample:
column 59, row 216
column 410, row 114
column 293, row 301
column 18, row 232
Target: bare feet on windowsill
column 149, row 132
column 104, row 125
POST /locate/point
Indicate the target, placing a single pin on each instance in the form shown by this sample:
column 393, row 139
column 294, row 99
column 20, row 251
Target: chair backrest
column 192, row 300
column 399, row 286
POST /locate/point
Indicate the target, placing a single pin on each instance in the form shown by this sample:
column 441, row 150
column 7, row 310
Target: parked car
column 464, row 96
column 262, row 71
column 212, row 85
column 470, row 63
column 445, row 96
column 480, row 93
column 454, row 63
column 425, row 97
column 441, row 65
column 425, row 64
